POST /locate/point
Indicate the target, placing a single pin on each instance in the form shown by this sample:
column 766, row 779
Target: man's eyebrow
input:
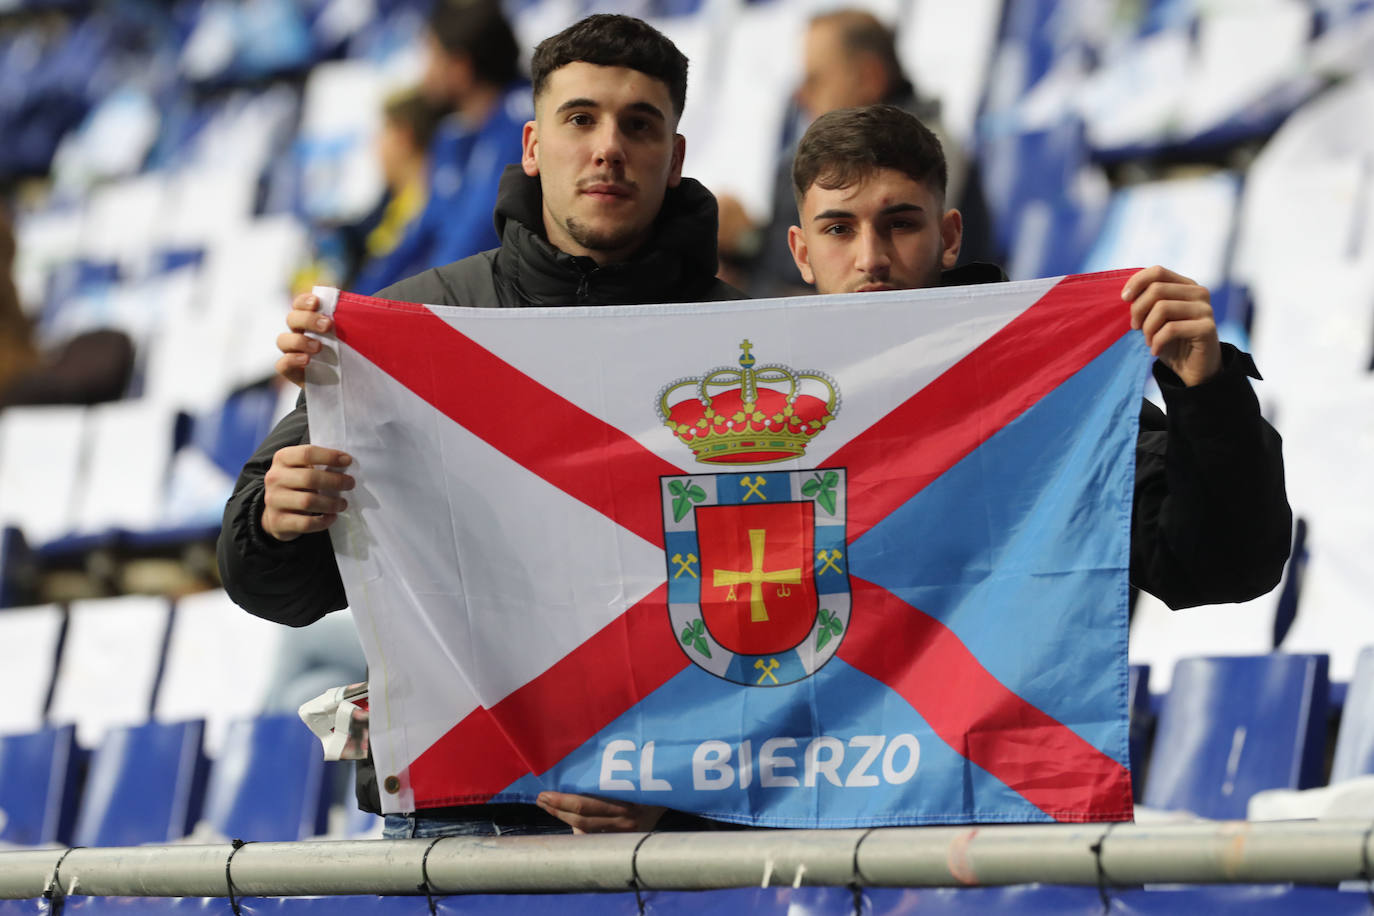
column 885, row 211
column 901, row 208
column 578, row 103
column 647, row 108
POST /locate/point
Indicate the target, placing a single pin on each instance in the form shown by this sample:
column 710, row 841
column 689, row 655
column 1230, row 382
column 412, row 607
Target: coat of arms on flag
column 757, row 586
column 647, row 552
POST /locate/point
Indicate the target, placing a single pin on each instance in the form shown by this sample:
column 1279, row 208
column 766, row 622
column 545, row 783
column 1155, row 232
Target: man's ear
column 529, row 145
column 679, row 154
column 797, row 242
column 951, row 237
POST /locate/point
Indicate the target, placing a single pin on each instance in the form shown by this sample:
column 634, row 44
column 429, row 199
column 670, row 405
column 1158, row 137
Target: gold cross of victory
column 756, row 577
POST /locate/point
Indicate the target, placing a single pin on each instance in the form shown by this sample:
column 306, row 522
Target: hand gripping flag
column 837, row 561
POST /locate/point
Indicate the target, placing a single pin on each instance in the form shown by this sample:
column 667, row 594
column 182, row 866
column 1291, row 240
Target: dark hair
column 412, row 110
column 863, row 33
column 478, row 30
column 846, row 146
column 610, row 40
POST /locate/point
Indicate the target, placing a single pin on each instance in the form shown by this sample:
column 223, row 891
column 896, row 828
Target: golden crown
column 765, row 417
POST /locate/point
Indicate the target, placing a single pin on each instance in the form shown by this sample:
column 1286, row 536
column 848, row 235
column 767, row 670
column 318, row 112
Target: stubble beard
column 615, row 239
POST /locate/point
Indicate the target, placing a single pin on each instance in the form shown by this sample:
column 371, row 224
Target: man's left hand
column 1175, row 315
column 585, row 814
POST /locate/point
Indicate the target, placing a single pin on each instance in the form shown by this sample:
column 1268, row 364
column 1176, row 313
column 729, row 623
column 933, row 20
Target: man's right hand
column 300, row 495
column 297, row 348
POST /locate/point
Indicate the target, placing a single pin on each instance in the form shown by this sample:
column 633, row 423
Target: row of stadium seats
column 119, row 703
column 154, row 688
column 148, row 784
column 127, row 478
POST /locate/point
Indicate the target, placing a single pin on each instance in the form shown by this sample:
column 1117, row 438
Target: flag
column 833, row 561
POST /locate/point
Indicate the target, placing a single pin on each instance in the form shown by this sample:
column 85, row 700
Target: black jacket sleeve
column 293, row 582
column 1211, row 520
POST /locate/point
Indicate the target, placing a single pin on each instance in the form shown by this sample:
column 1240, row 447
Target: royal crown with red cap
column 765, row 417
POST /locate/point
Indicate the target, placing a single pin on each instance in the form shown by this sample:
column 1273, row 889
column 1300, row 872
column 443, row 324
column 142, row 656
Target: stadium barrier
column 1113, row 855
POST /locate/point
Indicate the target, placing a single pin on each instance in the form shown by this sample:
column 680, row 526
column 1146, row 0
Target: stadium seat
column 122, row 216
column 1054, row 237
column 219, row 663
column 735, row 145
column 1161, row 638
column 38, row 786
column 122, row 489
column 270, row 782
column 1019, row 167
column 1327, row 458
column 41, row 452
column 26, row 677
column 1232, row 726
column 1246, row 72
column 203, row 470
column 109, row 665
column 247, row 277
column 1355, row 741
column 1149, row 224
column 945, row 49
column 340, row 113
column 1350, row 790
column 229, row 434
column 145, row 785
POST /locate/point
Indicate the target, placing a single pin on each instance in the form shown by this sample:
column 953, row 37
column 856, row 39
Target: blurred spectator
column 409, row 122
column 89, row 368
column 472, row 70
column 849, row 60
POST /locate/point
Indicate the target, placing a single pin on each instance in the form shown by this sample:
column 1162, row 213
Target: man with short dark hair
column 597, row 213
column 1211, row 521
column 471, row 72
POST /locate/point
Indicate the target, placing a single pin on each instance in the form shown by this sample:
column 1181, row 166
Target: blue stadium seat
column 223, row 438
column 38, row 786
column 145, row 785
column 1021, row 167
column 270, row 783
column 230, row 434
column 1355, row 741
column 1230, row 727
column 1029, row 30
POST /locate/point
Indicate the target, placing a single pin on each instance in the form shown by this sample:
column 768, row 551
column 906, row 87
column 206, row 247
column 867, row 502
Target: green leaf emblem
column 683, row 497
column 694, row 635
column 830, row 626
column 822, row 489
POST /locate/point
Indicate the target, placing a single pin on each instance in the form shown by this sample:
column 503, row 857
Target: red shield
column 758, row 592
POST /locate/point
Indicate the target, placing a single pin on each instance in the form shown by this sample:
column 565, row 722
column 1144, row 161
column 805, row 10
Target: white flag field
column 793, row 562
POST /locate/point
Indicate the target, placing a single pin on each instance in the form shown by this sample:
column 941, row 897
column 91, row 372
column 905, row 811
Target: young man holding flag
column 1211, row 521
column 598, row 213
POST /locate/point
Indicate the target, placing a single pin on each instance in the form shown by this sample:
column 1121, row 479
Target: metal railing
column 1307, row 852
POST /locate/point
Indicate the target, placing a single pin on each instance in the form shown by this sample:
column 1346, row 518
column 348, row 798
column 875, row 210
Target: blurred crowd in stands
column 173, row 172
